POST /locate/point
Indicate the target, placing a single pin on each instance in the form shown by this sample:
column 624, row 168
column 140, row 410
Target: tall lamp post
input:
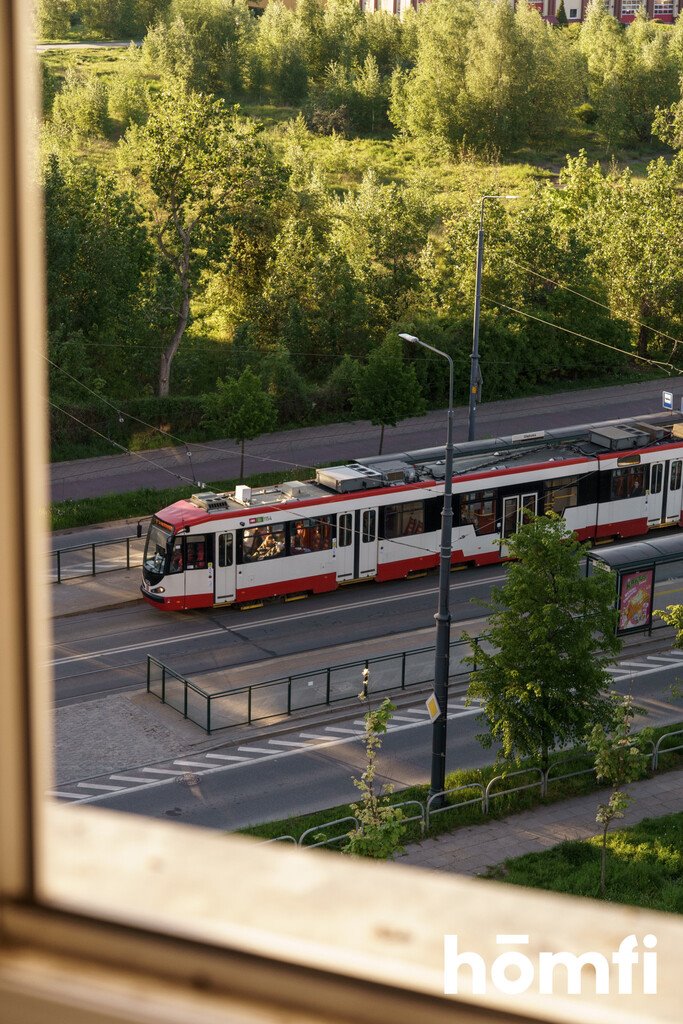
column 443, row 615
column 474, row 364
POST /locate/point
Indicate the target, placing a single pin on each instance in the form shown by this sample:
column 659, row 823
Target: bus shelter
column 638, row 568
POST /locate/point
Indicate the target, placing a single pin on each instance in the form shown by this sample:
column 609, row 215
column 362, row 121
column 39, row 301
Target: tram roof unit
column 427, row 465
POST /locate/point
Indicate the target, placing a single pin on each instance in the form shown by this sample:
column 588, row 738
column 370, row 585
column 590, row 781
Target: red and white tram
column 379, row 517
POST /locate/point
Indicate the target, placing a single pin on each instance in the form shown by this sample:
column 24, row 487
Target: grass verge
column 644, row 866
column 470, row 779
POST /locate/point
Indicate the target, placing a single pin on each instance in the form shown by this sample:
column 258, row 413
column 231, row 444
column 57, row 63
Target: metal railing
column 484, row 797
column 91, row 559
column 278, row 698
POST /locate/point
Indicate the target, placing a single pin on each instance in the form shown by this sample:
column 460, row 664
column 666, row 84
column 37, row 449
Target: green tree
column 53, row 18
column 240, row 409
column 426, row 101
column 639, row 248
column 203, row 179
column 79, row 111
column 620, row 758
column 278, row 54
column 380, row 826
column 129, row 95
column 387, row 389
column 382, row 230
column 99, row 260
column 552, row 637
column 562, row 19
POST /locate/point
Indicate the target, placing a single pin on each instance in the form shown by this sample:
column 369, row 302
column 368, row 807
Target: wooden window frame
column 107, row 918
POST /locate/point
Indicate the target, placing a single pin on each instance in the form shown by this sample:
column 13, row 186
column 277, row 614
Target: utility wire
column 122, row 448
column 567, row 288
column 585, row 337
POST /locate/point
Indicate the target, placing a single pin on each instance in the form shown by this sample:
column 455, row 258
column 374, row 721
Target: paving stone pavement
column 475, row 848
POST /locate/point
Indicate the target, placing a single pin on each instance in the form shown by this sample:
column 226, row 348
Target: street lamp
column 443, row 615
column 474, row 364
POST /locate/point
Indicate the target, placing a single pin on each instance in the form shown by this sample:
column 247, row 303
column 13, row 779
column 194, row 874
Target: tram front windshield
column 156, row 551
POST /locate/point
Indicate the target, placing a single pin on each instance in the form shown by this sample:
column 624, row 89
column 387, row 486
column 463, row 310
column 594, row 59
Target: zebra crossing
column 187, row 769
column 646, row 665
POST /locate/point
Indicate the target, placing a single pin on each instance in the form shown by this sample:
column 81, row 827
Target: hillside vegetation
column 284, row 194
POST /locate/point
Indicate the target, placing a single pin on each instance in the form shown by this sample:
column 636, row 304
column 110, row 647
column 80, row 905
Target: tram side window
column 177, row 556
column 628, row 482
column 479, row 510
column 675, row 475
column 308, row 535
column 560, row 494
column 404, row 520
column 195, row 548
column 263, row 542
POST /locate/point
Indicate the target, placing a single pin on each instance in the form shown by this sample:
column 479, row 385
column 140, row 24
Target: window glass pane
column 263, row 542
column 628, row 482
column 404, row 520
column 479, row 510
column 560, row 494
column 177, row 557
column 311, row 535
column 195, row 548
column 225, row 549
column 344, row 530
column 369, row 527
column 656, row 478
column 675, row 475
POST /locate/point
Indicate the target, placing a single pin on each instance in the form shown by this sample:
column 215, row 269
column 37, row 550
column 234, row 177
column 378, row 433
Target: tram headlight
column 158, row 590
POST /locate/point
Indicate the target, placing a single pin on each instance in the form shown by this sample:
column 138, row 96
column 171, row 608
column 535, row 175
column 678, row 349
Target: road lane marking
column 127, row 778
column 227, row 757
column 288, row 743
column 241, row 762
column 192, row 764
column 336, row 728
column 258, row 624
column 256, row 750
column 97, row 785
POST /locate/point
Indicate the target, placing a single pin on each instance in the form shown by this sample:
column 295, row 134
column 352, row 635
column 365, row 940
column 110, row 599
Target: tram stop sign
column 667, row 400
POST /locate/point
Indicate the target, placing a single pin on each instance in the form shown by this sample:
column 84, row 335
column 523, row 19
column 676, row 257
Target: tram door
column 345, row 546
column 365, row 561
column 515, row 508
column 664, row 493
column 224, row 570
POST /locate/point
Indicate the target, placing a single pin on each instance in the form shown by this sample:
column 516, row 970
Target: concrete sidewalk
column 474, row 849
column 96, row 593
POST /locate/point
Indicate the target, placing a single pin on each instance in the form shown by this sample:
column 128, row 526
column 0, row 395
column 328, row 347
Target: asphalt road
column 313, row 766
column 106, row 651
column 290, row 451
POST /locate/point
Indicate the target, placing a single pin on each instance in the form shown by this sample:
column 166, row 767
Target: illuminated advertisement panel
column 635, row 600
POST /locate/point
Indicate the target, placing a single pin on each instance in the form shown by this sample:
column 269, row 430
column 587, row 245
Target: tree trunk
column 242, row 461
column 171, row 349
column 643, row 330
column 381, row 440
column 603, row 860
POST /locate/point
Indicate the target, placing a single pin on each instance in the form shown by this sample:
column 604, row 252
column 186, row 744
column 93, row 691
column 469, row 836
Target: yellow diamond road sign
column 433, row 707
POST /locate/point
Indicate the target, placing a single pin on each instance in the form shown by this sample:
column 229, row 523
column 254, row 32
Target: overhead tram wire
column 669, row 367
column 126, row 451
column 122, row 448
column 596, row 302
column 160, row 430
